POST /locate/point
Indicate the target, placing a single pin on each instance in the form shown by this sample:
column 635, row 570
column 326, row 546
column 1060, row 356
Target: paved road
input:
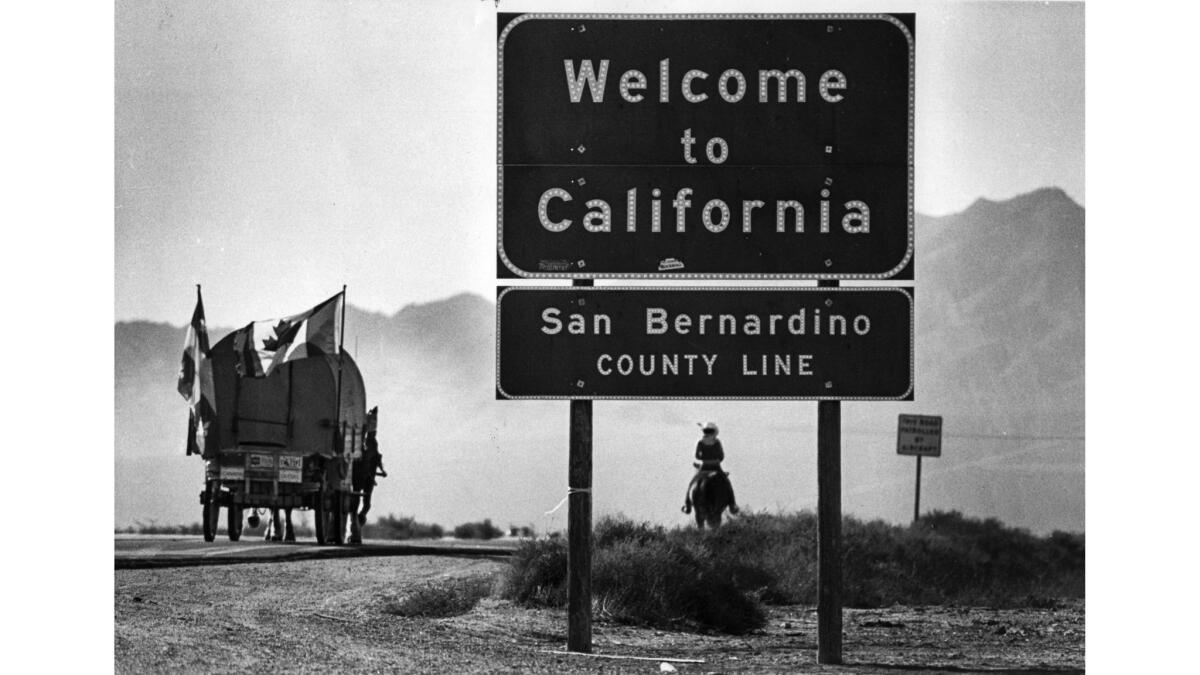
column 141, row 551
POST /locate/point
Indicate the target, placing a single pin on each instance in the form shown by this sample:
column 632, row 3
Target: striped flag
column 263, row 346
column 195, row 381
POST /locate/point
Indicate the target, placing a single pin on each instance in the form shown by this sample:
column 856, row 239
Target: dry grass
column 441, row 598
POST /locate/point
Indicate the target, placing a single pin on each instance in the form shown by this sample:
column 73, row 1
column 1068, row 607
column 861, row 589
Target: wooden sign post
column 829, row 532
column 829, row 528
column 579, row 524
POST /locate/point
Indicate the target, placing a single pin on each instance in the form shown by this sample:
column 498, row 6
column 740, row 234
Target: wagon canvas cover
column 294, row 410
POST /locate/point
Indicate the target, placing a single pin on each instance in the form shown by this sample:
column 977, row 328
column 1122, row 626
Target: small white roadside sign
column 920, row 435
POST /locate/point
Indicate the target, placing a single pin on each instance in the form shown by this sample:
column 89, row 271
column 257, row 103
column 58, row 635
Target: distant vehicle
column 288, row 440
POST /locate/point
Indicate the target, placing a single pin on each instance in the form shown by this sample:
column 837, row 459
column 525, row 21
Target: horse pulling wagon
column 284, row 441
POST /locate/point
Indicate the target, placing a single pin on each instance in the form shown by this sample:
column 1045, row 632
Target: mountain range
column 999, row 354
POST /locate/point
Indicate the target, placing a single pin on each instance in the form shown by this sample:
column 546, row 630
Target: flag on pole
column 195, row 382
column 263, row 346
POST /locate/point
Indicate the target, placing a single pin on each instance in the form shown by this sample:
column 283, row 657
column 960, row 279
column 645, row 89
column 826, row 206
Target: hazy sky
column 275, row 151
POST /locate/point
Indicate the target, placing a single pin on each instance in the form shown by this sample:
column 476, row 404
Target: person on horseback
column 710, row 453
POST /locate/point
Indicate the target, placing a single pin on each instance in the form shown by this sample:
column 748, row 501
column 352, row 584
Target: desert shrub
column 947, row 558
column 1065, row 553
column 645, row 573
column 444, row 597
column 481, row 530
column 537, row 576
column 771, row 555
column 663, row 582
column 401, row 527
column 154, row 528
column 640, row 574
column 611, row 530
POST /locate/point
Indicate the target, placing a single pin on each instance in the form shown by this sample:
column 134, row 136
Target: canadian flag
column 195, row 382
column 263, row 346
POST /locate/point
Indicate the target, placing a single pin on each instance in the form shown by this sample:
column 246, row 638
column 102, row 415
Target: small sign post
column 919, row 436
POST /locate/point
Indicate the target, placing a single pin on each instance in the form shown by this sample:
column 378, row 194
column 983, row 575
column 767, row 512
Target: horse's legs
column 289, row 534
column 709, row 499
column 366, row 506
column 355, row 522
column 276, row 529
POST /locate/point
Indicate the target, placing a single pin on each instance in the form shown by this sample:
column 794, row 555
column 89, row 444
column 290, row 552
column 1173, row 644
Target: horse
column 710, row 496
column 275, row 528
column 362, row 479
column 276, row 531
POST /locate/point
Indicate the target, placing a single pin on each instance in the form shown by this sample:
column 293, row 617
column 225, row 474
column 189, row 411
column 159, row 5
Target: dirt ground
column 330, row 615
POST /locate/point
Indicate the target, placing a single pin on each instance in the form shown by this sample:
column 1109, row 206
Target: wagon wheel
column 212, row 510
column 319, row 517
column 234, row 523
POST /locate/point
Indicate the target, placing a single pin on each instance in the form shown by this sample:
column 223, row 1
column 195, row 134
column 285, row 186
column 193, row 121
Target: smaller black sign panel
column 705, row 146
column 705, row 343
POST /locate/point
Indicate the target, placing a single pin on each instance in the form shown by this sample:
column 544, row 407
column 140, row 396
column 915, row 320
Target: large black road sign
column 691, row 343
column 705, row 146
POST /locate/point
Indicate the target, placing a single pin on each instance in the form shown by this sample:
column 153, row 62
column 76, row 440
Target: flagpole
column 201, row 343
column 342, row 337
column 341, row 340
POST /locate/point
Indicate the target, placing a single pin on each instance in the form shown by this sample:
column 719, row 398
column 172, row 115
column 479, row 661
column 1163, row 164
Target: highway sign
column 705, row 146
column 705, row 343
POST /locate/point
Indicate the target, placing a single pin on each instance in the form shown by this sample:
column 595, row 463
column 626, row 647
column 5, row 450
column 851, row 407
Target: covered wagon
column 286, row 440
